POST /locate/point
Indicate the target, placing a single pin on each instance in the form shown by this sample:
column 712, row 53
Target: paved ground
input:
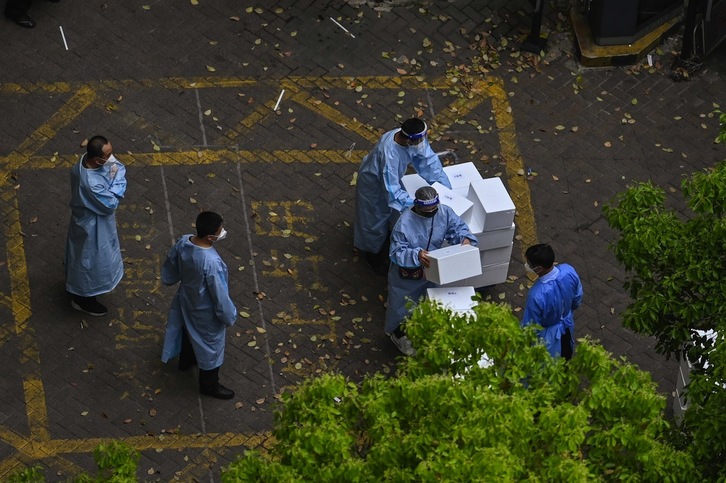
column 186, row 94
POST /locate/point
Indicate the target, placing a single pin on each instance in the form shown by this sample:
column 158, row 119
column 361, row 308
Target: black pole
column 686, row 64
column 688, row 32
column 534, row 42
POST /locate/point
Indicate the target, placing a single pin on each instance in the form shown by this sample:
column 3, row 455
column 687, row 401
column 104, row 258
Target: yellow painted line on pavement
column 20, row 294
column 517, row 183
column 77, row 103
column 210, row 156
column 31, row 87
column 347, row 82
column 463, row 106
column 56, row 447
column 34, row 393
column 35, row 408
column 258, row 114
column 334, row 115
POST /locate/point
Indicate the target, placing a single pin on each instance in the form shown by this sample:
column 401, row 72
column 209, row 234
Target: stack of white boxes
column 486, row 207
column 491, row 219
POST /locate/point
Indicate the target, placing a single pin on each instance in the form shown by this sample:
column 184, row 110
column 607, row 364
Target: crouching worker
column 420, row 229
column 202, row 309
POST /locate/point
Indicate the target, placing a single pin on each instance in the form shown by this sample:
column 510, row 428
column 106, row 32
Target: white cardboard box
column 493, row 207
column 412, row 182
column 457, row 299
column 490, row 275
column 453, row 263
column 495, row 256
column 459, row 204
column 460, row 176
column 495, row 238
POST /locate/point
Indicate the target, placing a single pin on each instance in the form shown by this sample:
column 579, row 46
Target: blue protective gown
column 380, row 196
column 411, row 235
column 93, row 256
column 550, row 303
column 201, row 305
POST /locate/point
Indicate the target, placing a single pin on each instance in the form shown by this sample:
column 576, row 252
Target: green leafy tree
column 445, row 417
column 34, row 474
column 676, row 269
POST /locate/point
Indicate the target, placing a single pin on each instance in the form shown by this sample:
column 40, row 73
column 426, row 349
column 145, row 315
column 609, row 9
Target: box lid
column 447, row 197
column 491, row 194
column 412, row 182
column 455, row 298
column 460, row 175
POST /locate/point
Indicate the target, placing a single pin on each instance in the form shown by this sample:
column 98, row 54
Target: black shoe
column 218, row 391
column 24, row 20
column 89, row 305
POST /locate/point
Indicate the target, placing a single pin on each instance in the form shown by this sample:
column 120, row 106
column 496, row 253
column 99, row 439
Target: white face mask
column 419, row 148
column 528, row 268
column 222, row 235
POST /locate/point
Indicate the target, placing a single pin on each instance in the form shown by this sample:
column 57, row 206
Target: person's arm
column 397, row 197
column 170, row 269
column 103, row 201
column 402, row 253
column 458, row 232
column 218, row 286
column 577, row 299
column 532, row 310
column 428, row 166
column 117, row 173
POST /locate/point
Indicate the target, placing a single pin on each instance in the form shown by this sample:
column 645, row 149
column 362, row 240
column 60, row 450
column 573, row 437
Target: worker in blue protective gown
column 419, row 230
column 556, row 293
column 202, row 308
column 93, row 263
column 380, row 195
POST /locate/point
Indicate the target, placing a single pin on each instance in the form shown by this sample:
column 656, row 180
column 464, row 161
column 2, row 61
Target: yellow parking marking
column 35, row 407
column 292, row 265
column 38, row 444
column 211, row 156
column 258, row 114
column 346, row 82
column 69, row 111
column 55, row 448
column 334, row 115
column 20, row 294
column 289, row 218
column 516, row 181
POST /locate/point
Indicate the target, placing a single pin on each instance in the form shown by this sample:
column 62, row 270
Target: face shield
column 426, row 202
column 416, row 141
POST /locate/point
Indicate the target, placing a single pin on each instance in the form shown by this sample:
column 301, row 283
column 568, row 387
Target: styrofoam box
column 490, row 275
column 459, row 204
column 454, row 298
column 493, row 207
column 412, row 182
column 460, row 176
column 495, row 256
column 453, row 263
column 495, row 238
